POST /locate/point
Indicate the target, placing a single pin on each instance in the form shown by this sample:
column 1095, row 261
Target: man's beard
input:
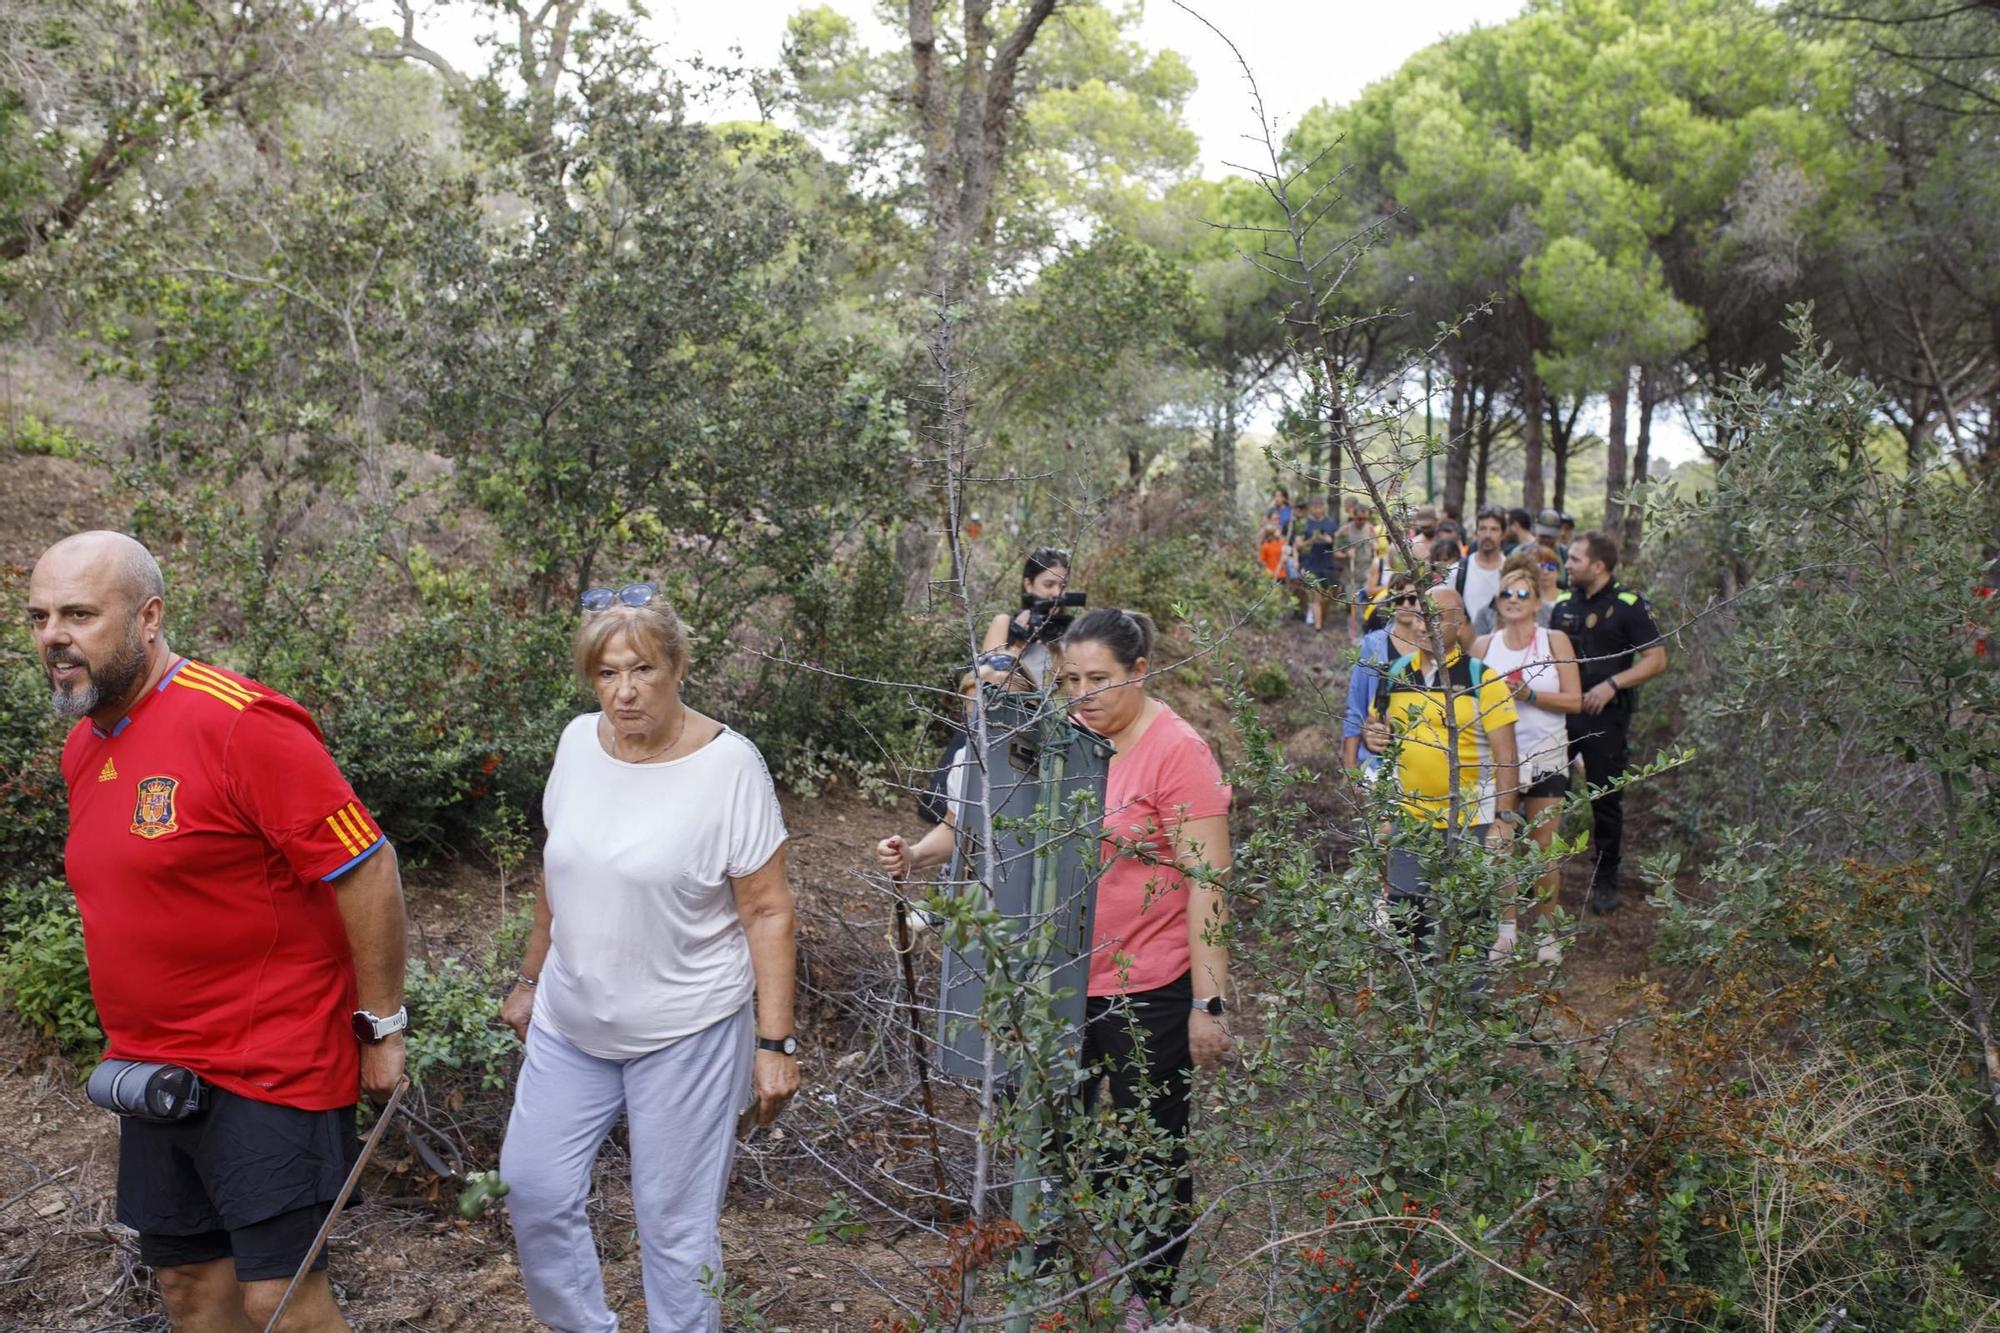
column 112, row 682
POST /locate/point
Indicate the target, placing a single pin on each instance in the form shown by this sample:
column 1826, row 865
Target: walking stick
column 340, row 1200
column 904, row 946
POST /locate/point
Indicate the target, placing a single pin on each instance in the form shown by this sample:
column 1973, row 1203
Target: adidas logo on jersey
column 109, row 773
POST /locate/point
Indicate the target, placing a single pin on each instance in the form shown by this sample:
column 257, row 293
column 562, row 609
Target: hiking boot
column 1603, row 899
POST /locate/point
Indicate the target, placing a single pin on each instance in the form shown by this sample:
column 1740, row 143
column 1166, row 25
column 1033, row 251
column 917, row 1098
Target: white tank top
column 1539, row 734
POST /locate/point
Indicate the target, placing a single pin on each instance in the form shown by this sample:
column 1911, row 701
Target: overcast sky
column 1303, row 51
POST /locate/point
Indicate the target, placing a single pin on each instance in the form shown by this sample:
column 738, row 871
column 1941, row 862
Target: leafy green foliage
column 453, row 1040
column 637, row 379
column 43, row 972
column 820, row 708
column 1857, row 834
column 33, row 801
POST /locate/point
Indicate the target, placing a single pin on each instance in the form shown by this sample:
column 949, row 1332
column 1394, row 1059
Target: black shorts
column 244, row 1179
column 1548, row 787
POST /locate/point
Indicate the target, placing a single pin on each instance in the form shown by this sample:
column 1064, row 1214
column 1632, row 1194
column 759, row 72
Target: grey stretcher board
column 1047, row 776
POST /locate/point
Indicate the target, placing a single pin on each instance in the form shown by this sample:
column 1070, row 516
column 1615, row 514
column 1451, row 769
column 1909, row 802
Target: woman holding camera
column 657, row 983
column 1044, row 577
column 1159, row 970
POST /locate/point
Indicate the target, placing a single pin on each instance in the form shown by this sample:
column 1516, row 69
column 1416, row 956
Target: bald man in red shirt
column 242, row 918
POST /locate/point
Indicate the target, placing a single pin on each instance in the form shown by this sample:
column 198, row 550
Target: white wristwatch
column 368, row 1029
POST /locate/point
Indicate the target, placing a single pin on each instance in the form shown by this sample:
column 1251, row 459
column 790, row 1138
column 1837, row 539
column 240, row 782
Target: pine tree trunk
column 1559, row 439
column 1458, row 445
column 1614, row 452
column 1531, row 441
column 1484, row 447
column 1225, row 450
column 1641, row 456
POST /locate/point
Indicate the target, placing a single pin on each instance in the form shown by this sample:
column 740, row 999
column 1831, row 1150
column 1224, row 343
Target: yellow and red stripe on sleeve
column 195, row 676
column 358, row 833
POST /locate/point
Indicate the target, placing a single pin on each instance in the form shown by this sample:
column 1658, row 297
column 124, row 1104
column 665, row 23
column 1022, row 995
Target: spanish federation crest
column 153, row 816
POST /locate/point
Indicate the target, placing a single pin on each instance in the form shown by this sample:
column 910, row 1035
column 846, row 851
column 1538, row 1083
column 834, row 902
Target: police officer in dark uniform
column 1617, row 647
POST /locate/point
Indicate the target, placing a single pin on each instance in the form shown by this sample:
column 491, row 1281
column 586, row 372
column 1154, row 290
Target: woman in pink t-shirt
column 1159, row 969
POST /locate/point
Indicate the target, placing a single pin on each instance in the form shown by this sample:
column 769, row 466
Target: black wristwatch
column 368, row 1029
column 1212, row 1006
column 779, row 1045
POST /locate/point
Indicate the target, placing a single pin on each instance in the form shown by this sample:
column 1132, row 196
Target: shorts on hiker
column 242, row 1179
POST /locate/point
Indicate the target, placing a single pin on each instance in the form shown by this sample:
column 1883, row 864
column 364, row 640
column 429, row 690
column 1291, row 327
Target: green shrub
column 818, row 712
column 42, row 967
column 32, row 435
column 1269, row 682
column 453, row 1042
column 33, row 801
column 1177, row 577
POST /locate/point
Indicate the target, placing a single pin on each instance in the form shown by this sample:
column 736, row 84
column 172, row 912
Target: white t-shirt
column 645, row 944
column 1481, row 585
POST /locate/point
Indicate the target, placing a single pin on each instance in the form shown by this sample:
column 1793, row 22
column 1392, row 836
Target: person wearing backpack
column 1477, row 577
column 1379, row 647
column 1424, row 708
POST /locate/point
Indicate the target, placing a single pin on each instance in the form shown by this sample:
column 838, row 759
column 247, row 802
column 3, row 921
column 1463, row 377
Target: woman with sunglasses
column 1539, row 665
column 1159, row 965
column 1404, row 634
column 657, row 981
column 1541, row 560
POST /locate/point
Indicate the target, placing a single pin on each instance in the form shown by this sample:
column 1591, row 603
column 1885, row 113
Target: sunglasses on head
column 632, row 594
column 997, row 661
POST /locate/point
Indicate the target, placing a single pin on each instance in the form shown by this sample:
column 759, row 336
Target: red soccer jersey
column 203, row 830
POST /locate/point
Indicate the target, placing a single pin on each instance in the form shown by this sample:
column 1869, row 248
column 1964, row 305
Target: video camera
column 1046, row 621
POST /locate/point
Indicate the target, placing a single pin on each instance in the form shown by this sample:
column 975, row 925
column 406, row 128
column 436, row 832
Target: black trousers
column 1601, row 743
column 1139, row 1044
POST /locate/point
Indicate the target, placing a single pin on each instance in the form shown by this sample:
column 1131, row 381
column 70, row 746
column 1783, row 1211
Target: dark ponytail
column 1041, row 560
column 1128, row 634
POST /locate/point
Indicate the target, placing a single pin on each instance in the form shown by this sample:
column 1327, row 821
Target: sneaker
column 1603, row 899
column 1550, row 951
column 1137, row 1317
column 1503, row 943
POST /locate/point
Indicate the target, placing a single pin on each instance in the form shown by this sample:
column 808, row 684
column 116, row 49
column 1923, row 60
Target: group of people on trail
column 244, row 923
column 1543, row 652
column 1158, row 973
column 245, row 929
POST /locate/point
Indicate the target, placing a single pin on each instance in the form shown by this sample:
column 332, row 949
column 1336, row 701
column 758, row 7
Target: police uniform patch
column 1590, row 621
column 153, row 816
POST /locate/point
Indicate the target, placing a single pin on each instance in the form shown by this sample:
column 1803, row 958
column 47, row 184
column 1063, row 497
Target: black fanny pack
column 147, row 1090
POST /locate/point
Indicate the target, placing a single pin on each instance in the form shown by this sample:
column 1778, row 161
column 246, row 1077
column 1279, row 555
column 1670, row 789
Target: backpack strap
column 1401, row 666
column 1462, row 563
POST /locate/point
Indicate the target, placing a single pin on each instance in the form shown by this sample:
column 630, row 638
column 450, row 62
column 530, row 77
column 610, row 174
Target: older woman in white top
column 658, row 980
column 1539, row 665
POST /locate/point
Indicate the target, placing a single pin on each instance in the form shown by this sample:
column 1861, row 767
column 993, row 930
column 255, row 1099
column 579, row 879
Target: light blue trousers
column 680, row 1108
